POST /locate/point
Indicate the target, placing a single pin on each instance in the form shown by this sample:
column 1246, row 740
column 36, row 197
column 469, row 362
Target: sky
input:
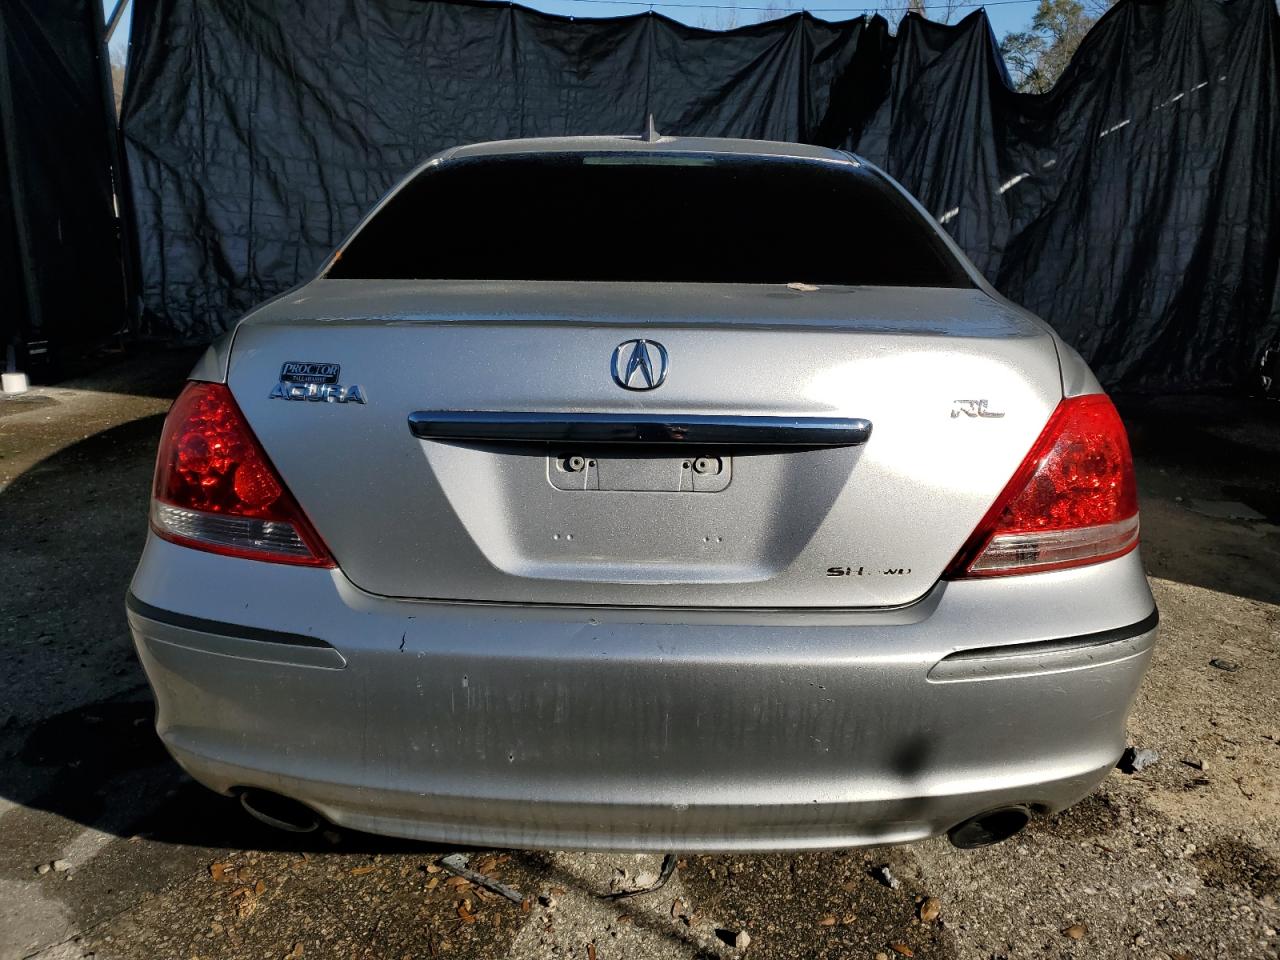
column 1005, row 15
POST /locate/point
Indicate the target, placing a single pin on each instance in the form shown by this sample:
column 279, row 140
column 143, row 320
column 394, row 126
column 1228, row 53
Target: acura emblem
column 639, row 364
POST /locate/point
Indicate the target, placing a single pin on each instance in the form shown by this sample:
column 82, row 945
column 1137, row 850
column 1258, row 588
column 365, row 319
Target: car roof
column 660, row 144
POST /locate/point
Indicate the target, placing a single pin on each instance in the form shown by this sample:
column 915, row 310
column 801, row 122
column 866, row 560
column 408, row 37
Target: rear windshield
column 650, row 217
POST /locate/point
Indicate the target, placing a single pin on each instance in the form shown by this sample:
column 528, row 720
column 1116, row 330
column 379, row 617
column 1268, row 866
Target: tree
column 721, row 17
column 1038, row 56
column 944, row 11
column 117, row 83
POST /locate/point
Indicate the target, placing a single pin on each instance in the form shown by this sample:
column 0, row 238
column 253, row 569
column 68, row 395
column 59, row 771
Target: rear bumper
column 641, row 729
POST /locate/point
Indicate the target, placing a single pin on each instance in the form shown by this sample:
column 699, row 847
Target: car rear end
column 588, row 500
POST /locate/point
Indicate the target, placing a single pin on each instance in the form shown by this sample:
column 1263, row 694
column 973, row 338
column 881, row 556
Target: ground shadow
column 142, row 370
column 1199, row 459
column 76, row 715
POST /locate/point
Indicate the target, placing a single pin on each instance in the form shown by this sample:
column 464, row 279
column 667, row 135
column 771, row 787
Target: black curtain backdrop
column 1136, row 206
column 61, row 279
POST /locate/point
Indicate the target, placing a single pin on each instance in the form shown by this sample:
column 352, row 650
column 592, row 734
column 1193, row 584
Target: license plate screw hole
column 705, row 465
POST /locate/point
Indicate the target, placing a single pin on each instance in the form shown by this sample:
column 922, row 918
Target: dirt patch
column 1097, row 815
column 819, row 905
column 1228, row 863
column 25, row 403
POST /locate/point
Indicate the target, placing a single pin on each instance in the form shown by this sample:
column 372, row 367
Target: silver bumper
column 641, row 729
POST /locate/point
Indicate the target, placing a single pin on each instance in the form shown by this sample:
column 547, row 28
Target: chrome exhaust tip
column 988, row 828
column 279, row 812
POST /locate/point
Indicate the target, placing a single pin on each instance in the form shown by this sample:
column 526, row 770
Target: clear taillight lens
column 216, row 490
column 1074, row 499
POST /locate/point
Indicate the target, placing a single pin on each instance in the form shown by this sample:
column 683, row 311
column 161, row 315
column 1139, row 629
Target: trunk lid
column 867, row 525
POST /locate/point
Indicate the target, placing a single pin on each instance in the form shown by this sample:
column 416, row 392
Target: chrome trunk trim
column 648, row 428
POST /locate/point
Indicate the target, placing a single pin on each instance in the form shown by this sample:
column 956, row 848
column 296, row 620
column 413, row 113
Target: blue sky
column 1005, row 15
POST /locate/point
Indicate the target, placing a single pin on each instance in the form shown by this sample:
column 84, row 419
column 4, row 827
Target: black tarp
column 1136, row 206
column 61, row 279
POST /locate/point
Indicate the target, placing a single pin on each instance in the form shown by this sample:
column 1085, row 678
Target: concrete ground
column 108, row 850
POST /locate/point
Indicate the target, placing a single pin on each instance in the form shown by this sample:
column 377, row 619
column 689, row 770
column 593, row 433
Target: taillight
column 216, row 490
column 1073, row 500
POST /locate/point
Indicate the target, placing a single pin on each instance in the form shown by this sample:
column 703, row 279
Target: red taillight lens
column 216, row 490
column 1073, row 501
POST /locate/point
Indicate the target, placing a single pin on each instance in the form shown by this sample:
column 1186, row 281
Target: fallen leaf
column 679, row 908
column 434, row 868
column 930, row 909
column 295, row 953
column 526, row 905
column 220, row 871
column 828, row 921
column 433, row 883
column 260, row 888
column 361, row 871
column 464, row 911
column 591, row 951
column 902, row 949
column 1076, row 931
column 457, row 882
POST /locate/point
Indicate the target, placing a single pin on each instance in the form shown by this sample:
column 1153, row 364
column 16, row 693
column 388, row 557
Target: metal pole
column 13, row 161
column 119, row 175
column 114, row 20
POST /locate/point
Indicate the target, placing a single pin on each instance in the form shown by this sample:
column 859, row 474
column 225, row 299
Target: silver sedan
column 646, row 494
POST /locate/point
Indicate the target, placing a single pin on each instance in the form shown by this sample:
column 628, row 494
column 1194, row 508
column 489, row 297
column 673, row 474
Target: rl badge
column 305, row 380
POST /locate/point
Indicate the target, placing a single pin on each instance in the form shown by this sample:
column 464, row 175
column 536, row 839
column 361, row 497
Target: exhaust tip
column 988, row 828
column 279, row 812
